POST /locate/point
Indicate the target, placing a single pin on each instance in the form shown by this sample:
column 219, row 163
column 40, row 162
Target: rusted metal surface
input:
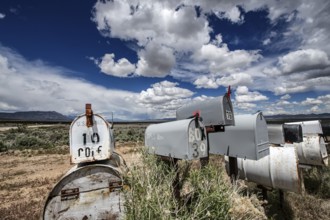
column 88, row 192
column 89, row 115
column 216, row 111
column 278, row 170
column 312, row 151
column 182, row 139
column 247, row 139
column 93, row 143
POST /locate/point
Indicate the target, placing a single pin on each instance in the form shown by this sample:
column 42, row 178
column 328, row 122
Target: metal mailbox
column 247, row 139
column 182, row 139
column 284, row 133
column 293, row 133
column 277, row 170
column 276, row 134
column 309, row 127
column 215, row 111
column 90, row 143
column 93, row 191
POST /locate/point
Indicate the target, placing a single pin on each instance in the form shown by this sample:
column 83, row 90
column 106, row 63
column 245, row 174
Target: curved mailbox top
column 309, row 127
column 182, row 139
column 247, row 139
column 90, row 143
column 215, row 111
column 92, row 190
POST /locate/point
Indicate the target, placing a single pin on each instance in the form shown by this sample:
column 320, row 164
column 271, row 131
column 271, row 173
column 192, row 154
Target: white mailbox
column 215, row 111
column 247, row 139
column 182, row 139
column 309, row 127
column 90, row 143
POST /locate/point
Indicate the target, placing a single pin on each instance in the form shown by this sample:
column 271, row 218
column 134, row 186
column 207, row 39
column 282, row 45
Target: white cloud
column 244, row 95
column 121, row 68
column 304, row 60
column 206, row 82
column 221, row 60
column 285, row 97
column 2, row 16
column 163, row 98
column 235, row 79
column 155, row 61
column 28, row 86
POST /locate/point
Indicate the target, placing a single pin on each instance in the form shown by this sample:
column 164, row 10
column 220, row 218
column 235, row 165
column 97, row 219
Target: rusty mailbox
column 91, row 138
column 214, row 112
column 247, row 139
column 182, row 139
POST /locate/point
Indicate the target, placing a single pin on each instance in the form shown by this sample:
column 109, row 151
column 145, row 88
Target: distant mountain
column 299, row 116
column 36, row 116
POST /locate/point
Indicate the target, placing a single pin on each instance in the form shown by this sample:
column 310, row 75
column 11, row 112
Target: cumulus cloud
column 155, row 61
column 121, row 68
column 163, row 98
column 244, row 95
column 304, row 60
column 2, row 16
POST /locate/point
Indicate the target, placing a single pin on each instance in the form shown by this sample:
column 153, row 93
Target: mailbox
column 278, row 170
column 90, row 143
column 182, row 139
column 309, row 127
column 293, row 133
column 276, row 134
column 215, row 111
column 284, row 133
column 247, row 139
column 93, row 191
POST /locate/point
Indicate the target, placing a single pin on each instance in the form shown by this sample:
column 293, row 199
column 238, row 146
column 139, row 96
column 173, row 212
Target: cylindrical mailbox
column 309, row 127
column 312, row 151
column 87, row 192
column 182, row 139
column 278, row 170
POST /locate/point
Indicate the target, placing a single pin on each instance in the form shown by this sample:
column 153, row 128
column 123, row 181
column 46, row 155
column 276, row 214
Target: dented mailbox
column 182, row 139
column 93, row 191
column 215, row 111
column 90, row 142
column 247, row 139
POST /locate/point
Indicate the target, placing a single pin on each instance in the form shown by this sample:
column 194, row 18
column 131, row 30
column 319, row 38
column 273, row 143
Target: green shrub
column 204, row 194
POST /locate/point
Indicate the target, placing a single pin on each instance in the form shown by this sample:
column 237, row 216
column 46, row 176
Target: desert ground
column 27, row 174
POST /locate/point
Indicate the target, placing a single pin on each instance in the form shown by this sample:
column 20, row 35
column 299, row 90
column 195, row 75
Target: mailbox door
column 93, row 191
column 90, row 143
column 275, row 134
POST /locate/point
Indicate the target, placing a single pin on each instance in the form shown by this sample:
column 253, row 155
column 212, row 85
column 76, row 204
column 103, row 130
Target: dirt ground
column 26, row 180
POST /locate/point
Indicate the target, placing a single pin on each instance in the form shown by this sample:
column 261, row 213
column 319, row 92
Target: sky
column 144, row 59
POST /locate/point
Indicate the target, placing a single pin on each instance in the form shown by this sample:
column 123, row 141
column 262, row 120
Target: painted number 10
column 95, row 138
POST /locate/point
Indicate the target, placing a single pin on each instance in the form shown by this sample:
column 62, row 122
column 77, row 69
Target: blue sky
column 143, row 59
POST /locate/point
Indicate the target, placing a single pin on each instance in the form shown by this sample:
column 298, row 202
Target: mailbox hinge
column 67, row 194
column 116, row 186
